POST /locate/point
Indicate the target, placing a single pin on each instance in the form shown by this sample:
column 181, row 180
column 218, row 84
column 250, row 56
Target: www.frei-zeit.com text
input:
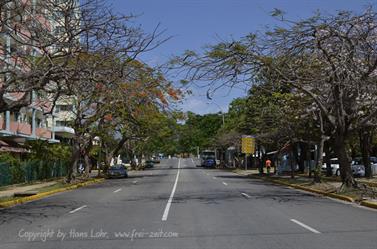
column 73, row 234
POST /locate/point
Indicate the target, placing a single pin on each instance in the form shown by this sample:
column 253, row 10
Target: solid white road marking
column 77, row 209
column 226, row 184
column 167, row 208
column 192, row 161
column 116, row 191
column 245, row 195
column 305, row 226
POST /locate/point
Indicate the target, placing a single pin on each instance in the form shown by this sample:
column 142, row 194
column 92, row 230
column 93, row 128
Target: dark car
column 149, row 164
column 117, row 171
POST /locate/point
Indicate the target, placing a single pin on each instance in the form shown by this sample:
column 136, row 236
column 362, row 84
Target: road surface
column 178, row 205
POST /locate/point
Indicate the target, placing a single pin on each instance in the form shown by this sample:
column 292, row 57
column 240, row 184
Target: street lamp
column 221, row 110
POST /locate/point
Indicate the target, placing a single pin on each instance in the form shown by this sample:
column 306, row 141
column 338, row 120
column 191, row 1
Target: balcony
column 20, row 128
column 43, row 133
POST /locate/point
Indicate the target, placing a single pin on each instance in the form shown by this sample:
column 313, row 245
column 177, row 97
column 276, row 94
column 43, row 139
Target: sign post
column 248, row 146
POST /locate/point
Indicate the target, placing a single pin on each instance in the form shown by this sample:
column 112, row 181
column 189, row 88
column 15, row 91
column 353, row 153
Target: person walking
column 268, row 166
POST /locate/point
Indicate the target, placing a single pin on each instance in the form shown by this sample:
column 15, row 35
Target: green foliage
column 17, row 173
column 42, row 150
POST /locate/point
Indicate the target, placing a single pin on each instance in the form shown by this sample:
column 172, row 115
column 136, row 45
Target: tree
column 330, row 59
column 43, row 37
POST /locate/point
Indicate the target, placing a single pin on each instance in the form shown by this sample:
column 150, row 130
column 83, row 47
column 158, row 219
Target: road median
column 17, row 201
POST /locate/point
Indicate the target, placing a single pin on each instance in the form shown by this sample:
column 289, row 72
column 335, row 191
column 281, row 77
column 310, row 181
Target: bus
column 208, row 158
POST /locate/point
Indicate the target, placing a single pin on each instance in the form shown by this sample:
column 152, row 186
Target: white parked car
column 373, row 163
column 357, row 167
column 334, row 166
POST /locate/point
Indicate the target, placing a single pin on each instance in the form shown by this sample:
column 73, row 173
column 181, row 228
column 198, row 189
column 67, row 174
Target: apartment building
column 60, row 122
column 31, row 122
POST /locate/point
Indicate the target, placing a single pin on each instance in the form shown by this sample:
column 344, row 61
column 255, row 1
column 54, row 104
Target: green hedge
column 13, row 171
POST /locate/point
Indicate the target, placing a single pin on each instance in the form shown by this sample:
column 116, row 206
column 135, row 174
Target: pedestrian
column 268, row 166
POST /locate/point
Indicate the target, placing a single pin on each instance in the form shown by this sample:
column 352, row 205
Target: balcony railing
column 43, row 133
column 22, row 128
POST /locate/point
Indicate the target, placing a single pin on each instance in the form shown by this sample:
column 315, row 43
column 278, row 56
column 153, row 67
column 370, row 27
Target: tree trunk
column 292, row 163
column 73, row 164
column 318, row 166
column 344, row 161
column 295, row 159
column 301, row 163
column 365, row 145
column 88, row 163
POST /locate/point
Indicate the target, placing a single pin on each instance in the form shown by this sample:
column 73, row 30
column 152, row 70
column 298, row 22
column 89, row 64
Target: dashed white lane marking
column 214, row 177
column 167, row 208
column 245, row 195
column 305, row 226
column 226, row 184
column 134, row 182
column 77, row 209
column 116, row 191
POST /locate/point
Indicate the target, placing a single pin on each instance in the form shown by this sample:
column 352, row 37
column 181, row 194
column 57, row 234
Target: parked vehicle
column 149, row 164
column 334, row 166
column 356, row 166
column 358, row 170
column 155, row 160
column 117, row 171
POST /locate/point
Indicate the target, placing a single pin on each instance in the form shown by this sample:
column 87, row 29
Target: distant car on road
column 207, row 155
column 117, row 171
column 155, row 160
column 149, row 164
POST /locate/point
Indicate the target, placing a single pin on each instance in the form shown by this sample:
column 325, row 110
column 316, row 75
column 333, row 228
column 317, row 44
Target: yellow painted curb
column 332, row 195
column 370, row 204
column 41, row 195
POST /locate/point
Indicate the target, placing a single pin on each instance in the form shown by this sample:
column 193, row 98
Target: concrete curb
column 12, row 203
column 370, row 204
column 316, row 191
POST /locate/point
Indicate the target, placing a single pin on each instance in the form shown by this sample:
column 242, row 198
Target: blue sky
column 195, row 23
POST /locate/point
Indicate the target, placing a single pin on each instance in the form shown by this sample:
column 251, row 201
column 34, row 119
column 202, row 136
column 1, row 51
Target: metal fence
column 32, row 170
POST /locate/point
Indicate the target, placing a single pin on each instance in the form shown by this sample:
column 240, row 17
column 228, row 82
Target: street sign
column 248, row 144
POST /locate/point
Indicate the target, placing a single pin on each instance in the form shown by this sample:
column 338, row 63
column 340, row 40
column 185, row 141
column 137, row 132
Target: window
column 63, row 108
column 61, row 123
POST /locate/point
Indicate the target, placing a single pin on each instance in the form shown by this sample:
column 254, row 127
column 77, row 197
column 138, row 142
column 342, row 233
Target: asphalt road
column 178, row 205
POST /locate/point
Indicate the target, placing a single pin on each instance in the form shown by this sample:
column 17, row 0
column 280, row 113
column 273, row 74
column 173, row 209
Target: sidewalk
column 9, row 191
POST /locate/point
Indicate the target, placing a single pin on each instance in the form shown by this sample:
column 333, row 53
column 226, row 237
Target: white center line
column 305, row 226
column 226, row 184
column 166, row 212
column 77, row 209
column 116, row 191
column 245, row 195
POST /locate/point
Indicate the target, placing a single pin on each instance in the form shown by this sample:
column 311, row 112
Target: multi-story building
column 60, row 121
column 30, row 123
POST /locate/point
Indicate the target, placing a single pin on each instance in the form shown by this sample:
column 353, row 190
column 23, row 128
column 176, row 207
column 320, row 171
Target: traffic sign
column 248, row 144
